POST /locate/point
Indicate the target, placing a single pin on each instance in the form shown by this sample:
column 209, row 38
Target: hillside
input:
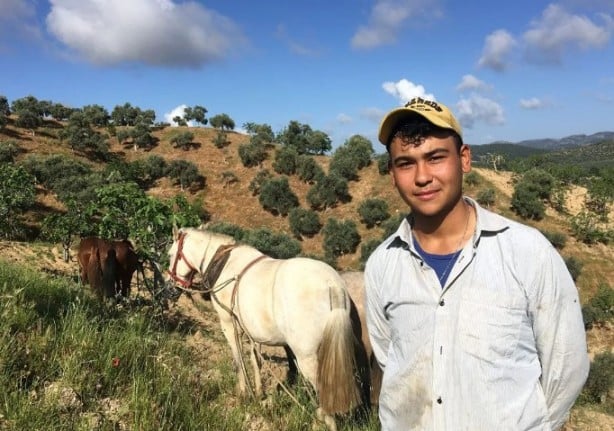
column 565, row 142
column 233, row 202
column 595, row 154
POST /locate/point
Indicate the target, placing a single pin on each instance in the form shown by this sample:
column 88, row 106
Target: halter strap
column 185, row 283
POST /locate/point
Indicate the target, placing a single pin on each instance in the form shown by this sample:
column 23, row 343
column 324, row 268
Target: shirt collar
column 488, row 224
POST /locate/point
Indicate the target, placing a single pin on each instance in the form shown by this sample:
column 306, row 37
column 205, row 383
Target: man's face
column 428, row 173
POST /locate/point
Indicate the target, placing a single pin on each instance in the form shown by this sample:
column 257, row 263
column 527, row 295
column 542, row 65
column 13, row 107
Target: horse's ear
column 203, row 226
column 175, row 232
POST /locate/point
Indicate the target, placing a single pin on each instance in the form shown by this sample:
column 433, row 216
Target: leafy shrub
column 392, row 224
column 383, row 164
column 373, row 211
column 252, row 154
column 308, row 169
column 574, row 266
column 185, row 174
column 8, row 150
column 472, row 178
column 526, row 202
column 539, row 181
column 221, row 139
column 585, row 227
column 340, row 237
column 182, row 139
column 557, row 239
column 486, row 197
column 366, row 249
column 600, row 309
column 286, row 160
column 600, row 383
column 237, row 232
column 259, row 179
column 304, row 222
column 277, row 245
column 277, row 197
column 328, row 191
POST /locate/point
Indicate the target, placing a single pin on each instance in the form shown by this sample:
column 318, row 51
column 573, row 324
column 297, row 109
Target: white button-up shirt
column 501, row 347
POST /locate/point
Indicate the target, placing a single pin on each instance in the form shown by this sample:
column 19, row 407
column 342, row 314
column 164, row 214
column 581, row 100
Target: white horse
column 299, row 302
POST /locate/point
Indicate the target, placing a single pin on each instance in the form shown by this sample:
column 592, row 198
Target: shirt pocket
column 490, row 322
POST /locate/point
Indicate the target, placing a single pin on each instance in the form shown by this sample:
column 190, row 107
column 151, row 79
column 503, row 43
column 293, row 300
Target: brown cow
column 112, row 264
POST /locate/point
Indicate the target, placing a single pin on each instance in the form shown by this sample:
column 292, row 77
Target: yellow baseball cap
column 434, row 112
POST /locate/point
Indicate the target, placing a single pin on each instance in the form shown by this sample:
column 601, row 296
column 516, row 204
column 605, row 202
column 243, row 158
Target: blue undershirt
column 439, row 262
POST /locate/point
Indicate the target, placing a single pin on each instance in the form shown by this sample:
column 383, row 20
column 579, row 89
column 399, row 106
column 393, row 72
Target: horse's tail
column 94, row 271
column 338, row 388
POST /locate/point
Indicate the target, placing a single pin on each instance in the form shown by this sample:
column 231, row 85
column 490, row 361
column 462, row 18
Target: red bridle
column 185, row 283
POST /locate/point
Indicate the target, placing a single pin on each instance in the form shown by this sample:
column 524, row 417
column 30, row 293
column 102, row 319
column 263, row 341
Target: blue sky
column 510, row 70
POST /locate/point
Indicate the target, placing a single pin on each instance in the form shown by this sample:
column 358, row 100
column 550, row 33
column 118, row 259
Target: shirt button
column 442, row 303
column 439, row 400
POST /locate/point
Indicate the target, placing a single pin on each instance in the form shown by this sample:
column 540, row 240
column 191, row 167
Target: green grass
column 121, row 368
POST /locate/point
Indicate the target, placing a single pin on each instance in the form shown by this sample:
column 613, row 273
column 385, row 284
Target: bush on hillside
column 373, row 211
column 340, row 237
column 8, row 150
column 286, row 160
column 366, row 249
column 308, row 170
column 472, row 178
column 276, row 245
column 486, row 197
column 600, row 308
column 259, row 179
column 277, row 197
column 304, row 222
column 574, row 266
column 586, row 227
column 557, row 239
column 328, row 191
column 383, row 164
column 252, row 154
column 599, row 387
column 526, row 202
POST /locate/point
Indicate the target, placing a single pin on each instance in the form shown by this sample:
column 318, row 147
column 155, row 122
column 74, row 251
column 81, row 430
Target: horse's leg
column 292, row 369
column 228, row 330
column 255, row 359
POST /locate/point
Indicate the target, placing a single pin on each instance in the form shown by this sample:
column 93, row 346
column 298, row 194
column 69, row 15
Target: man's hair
column 416, row 129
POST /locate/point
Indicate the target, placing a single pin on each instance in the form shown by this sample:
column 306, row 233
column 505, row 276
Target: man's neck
column 447, row 234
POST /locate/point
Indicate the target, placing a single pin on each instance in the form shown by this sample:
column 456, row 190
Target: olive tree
column 277, row 197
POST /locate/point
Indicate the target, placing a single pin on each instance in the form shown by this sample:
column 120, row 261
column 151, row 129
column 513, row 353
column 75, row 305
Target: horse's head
column 192, row 251
column 181, row 270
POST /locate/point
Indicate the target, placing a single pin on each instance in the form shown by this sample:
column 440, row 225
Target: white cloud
column 294, row 46
column 477, row 108
column 387, row 19
column 496, row 51
column 154, row 32
column 344, row 119
column 372, row 114
column 558, row 30
column 470, row 82
column 531, row 103
column 405, row 90
column 178, row 111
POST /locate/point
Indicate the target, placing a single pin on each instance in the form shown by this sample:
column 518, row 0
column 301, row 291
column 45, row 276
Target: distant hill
column 594, row 150
column 566, row 142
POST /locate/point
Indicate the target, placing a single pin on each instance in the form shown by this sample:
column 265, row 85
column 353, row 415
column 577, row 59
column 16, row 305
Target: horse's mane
column 214, row 235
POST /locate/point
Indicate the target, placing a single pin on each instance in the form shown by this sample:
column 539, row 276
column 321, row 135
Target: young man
column 473, row 317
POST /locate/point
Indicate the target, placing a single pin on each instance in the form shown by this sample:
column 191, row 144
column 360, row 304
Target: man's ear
column 465, row 155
